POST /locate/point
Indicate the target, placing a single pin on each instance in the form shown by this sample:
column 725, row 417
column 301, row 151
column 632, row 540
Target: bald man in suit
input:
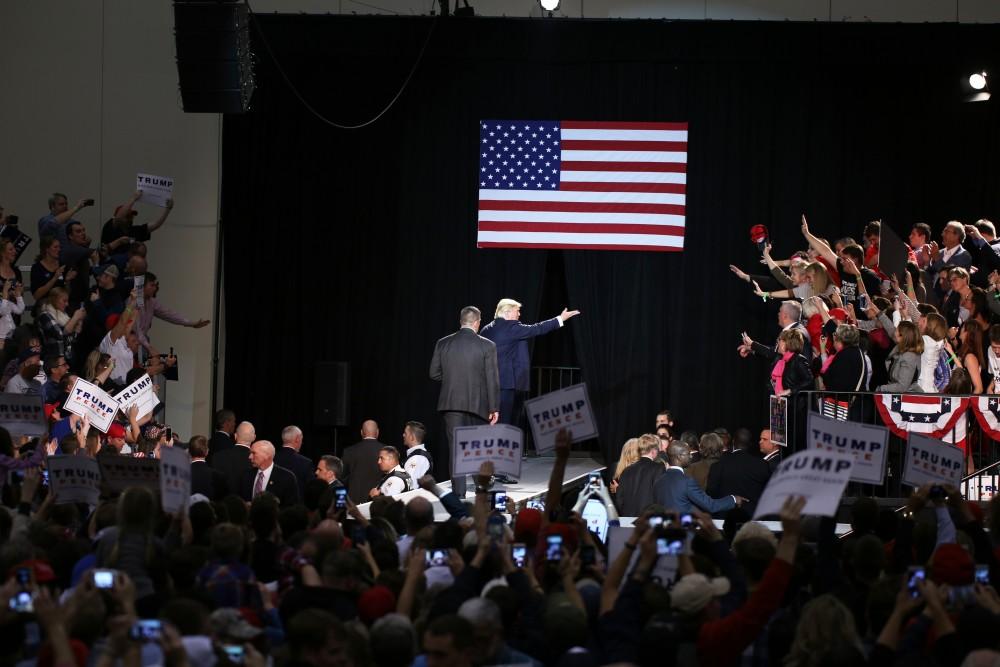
column 465, row 364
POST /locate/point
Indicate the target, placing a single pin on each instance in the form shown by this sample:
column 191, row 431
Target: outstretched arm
column 824, row 251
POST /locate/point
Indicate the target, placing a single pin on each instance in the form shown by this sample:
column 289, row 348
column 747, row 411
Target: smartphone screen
column 22, row 602
column 500, row 501
column 104, row 578
column 596, row 516
column 146, row 630
column 655, row 521
column 553, row 551
column 983, row 575
column 519, row 554
column 913, row 576
column 436, row 558
column 687, row 521
column 595, row 479
column 234, row 652
column 340, row 494
column 24, row 576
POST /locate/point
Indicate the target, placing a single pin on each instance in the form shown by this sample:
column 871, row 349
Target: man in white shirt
column 395, row 480
column 418, row 459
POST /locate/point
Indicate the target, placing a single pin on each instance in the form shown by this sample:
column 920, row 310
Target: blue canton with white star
column 521, row 154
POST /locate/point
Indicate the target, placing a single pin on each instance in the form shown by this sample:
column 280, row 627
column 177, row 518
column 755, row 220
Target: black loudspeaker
column 214, row 62
column 331, row 390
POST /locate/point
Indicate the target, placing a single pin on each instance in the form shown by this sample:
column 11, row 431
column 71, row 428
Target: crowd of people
column 365, row 559
column 848, row 326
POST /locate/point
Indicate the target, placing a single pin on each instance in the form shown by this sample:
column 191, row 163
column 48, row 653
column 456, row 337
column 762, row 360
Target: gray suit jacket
column 466, row 365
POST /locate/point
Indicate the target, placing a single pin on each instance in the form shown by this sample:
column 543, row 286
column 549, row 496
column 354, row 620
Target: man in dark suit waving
column 466, row 365
column 265, row 477
column 511, row 338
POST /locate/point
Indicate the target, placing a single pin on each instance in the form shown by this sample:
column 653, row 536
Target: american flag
column 582, row 185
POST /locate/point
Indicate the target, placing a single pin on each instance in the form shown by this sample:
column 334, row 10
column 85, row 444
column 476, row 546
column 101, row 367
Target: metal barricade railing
column 550, row 378
column 982, row 452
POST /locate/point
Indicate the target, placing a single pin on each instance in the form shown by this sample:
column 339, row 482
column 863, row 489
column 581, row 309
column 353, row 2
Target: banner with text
column 141, row 393
column 868, row 445
column 567, row 408
column 88, row 400
column 931, row 461
column 175, row 478
column 21, row 414
column 817, row 475
column 502, row 444
column 121, row 472
column 74, row 479
column 156, row 190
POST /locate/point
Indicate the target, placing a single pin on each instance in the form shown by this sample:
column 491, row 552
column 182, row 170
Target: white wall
column 89, row 97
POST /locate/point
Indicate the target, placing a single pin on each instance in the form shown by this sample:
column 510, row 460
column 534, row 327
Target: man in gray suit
column 466, row 365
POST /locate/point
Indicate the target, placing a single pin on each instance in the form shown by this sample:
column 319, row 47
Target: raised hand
column 566, row 314
column 745, row 277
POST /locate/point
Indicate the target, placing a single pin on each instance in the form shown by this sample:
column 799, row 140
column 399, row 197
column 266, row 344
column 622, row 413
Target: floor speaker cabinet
column 214, row 61
column 331, row 392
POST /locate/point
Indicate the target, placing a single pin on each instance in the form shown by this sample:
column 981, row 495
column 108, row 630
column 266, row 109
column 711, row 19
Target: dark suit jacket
column 635, row 486
column 208, row 481
column 774, row 461
column 361, row 473
column 739, row 473
column 281, row 484
column 676, row 491
column 511, row 338
column 233, row 463
column 288, row 458
column 466, row 365
column 220, row 442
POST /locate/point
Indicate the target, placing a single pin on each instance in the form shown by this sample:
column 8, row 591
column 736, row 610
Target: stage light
column 978, row 80
column 549, row 5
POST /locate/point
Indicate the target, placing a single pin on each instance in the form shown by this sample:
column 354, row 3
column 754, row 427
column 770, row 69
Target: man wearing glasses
column 55, row 369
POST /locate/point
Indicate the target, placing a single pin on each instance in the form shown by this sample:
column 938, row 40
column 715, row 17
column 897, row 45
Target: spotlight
column 549, row 5
column 976, row 88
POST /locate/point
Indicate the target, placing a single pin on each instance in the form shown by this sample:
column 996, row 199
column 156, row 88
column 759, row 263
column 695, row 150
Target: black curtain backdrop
column 360, row 245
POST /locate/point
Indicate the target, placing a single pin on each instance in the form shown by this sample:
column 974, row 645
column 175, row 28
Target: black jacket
column 281, row 484
column 466, row 365
column 361, row 473
column 302, row 467
column 233, row 463
column 740, row 473
column 635, row 486
column 208, row 481
column 220, row 441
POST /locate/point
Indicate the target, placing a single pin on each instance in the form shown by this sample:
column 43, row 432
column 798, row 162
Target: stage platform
column 534, row 483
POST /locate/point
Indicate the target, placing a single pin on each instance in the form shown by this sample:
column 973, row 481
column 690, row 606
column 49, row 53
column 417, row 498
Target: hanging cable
column 309, row 107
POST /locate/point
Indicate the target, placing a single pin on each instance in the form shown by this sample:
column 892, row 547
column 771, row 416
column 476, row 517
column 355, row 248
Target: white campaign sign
column 156, row 190
column 74, row 479
column 86, row 399
column 567, row 408
column 175, row 478
column 818, row 476
column 139, row 392
column 502, row 444
column 22, row 414
column 121, row 472
column 868, row 445
column 931, row 461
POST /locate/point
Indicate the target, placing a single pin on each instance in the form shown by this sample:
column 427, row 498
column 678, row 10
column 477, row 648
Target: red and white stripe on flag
column 941, row 417
column 582, row 185
column 987, row 411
